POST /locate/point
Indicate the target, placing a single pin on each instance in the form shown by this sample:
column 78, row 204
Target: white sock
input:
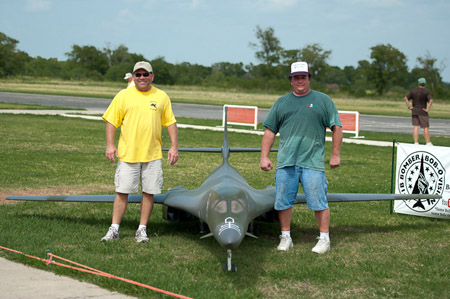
column 325, row 235
column 142, row 226
column 286, row 233
column 116, row 226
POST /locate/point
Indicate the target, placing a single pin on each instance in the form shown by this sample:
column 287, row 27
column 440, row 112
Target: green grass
column 374, row 253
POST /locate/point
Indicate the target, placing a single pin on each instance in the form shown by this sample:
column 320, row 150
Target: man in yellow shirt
column 140, row 111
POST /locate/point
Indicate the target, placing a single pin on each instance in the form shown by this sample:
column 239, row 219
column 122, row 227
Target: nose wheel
column 229, row 266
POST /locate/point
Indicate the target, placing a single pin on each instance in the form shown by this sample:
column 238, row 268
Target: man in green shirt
column 301, row 118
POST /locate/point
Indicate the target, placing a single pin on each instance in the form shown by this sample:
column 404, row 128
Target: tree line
column 386, row 73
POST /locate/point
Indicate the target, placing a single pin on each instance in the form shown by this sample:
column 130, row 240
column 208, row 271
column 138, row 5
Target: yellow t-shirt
column 141, row 116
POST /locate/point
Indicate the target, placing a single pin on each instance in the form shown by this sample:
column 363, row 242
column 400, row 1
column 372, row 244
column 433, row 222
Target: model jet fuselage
column 225, row 202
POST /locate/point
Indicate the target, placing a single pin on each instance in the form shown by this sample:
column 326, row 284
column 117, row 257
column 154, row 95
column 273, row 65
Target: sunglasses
column 138, row 75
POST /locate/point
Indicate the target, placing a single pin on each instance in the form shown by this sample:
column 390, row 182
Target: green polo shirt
column 302, row 122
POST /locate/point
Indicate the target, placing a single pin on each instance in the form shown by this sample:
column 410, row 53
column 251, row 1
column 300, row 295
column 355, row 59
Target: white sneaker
column 429, row 144
column 141, row 236
column 322, row 246
column 285, row 243
column 111, row 235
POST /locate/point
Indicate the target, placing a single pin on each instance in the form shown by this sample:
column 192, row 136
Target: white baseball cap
column 299, row 68
column 128, row 76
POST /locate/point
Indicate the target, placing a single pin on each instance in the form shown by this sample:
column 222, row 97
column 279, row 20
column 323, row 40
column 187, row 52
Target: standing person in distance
column 140, row 112
column 301, row 118
column 129, row 78
column 421, row 105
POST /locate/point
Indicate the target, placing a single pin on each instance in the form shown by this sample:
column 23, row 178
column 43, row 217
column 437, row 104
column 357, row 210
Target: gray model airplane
column 225, row 201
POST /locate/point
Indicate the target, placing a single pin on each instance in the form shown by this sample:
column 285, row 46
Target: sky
column 210, row 31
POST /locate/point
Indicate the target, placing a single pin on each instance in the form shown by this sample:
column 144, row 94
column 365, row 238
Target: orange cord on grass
column 91, row 270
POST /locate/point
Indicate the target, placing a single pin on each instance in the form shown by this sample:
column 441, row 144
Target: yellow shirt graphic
column 140, row 116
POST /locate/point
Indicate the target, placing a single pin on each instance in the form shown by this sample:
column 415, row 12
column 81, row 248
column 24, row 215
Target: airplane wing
column 160, row 198
column 353, row 197
column 132, row 198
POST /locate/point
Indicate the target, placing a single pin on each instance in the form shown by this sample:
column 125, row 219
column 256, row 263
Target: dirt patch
column 58, row 190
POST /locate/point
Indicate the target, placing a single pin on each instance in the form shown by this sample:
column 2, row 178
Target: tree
column 387, row 67
column 269, row 51
column 290, row 56
column 162, row 70
column 41, row 67
column 229, row 69
column 120, row 55
column 316, row 57
column 334, row 75
column 186, row 73
column 117, row 71
column 120, row 61
column 12, row 61
column 90, row 59
column 116, row 56
column 432, row 73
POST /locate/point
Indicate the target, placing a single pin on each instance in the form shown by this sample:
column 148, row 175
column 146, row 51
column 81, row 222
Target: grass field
column 374, row 253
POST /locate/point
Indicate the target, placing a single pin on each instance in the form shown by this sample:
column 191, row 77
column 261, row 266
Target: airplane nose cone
column 229, row 234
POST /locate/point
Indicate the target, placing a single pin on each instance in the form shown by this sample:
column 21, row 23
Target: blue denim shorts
column 313, row 182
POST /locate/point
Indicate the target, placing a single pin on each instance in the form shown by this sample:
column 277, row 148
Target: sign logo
column 421, row 173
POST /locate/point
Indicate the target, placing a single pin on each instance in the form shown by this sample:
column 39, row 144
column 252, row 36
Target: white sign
column 423, row 170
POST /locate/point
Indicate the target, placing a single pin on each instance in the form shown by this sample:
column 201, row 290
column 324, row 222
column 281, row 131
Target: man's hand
column 172, row 156
column 111, row 153
column 336, row 140
column 266, row 164
column 266, row 145
column 335, row 161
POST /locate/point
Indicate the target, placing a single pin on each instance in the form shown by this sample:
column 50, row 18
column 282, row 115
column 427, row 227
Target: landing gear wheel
column 229, row 266
column 203, row 229
column 253, row 229
column 232, row 269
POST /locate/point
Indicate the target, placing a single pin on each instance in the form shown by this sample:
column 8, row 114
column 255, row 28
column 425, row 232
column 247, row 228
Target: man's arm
column 111, row 150
column 430, row 103
column 407, row 103
column 266, row 145
column 173, row 151
column 336, row 140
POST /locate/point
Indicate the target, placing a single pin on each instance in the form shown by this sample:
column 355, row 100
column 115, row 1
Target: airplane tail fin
column 225, row 147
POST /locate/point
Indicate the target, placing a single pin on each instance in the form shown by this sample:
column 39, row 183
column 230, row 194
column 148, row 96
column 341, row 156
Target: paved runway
column 393, row 124
column 438, row 127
